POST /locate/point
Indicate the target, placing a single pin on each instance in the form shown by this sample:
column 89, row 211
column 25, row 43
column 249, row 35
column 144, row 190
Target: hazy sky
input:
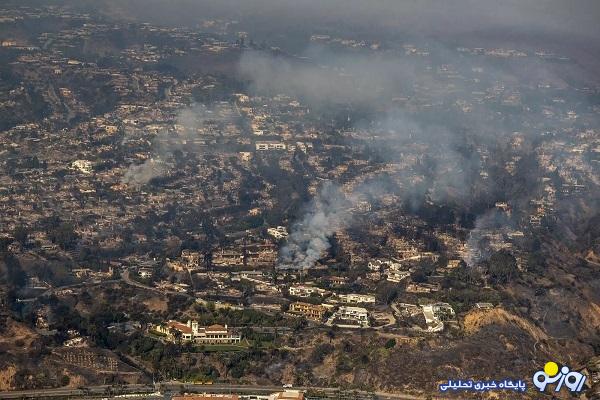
column 430, row 16
column 567, row 26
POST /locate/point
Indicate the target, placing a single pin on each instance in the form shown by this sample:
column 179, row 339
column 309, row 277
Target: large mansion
column 191, row 331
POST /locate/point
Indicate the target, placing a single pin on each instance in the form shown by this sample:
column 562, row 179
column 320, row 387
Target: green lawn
column 157, row 334
column 224, row 347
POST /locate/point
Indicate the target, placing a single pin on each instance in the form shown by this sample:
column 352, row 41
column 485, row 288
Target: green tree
column 386, row 292
column 176, row 335
column 16, row 277
column 64, row 235
column 502, row 267
column 65, row 380
column 21, row 234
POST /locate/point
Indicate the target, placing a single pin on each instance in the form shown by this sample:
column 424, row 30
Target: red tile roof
column 215, row 328
column 183, row 328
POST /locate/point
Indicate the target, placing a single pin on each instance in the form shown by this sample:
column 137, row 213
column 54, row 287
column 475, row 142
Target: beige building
column 314, row 312
column 214, row 334
column 357, row 298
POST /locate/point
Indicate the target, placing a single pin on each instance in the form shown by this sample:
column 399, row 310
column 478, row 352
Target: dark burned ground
column 224, row 63
column 496, row 345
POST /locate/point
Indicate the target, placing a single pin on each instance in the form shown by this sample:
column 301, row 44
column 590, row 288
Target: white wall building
column 378, row 265
column 393, row 275
column 435, row 314
column 357, row 298
column 357, row 314
column 263, row 146
column 306, row 291
column 84, row 166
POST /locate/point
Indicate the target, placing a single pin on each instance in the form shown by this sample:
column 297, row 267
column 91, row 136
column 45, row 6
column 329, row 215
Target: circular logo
column 551, row 368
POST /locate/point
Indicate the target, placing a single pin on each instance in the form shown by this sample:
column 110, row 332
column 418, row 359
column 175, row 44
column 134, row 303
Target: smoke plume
column 309, row 237
column 138, row 175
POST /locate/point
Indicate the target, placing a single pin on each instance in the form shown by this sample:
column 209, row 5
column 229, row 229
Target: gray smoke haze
column 577, row 17
column 345, row 79
column 446, row 139
column 477, row 247
column 374, row 78
column 450, row 166
column 189, row 123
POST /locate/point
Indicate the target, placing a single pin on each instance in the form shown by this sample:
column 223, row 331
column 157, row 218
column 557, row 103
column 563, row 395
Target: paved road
column 127, row 279
column 172, row 387
column 54, row 290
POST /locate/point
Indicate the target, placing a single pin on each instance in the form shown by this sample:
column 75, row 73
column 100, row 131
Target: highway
column 171, row 388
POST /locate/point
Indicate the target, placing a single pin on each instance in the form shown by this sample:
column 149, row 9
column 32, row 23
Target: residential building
column 378, row 265
column 358, row 315
column 229, row 257
column 145, row 272
column 260, row 255
column 337, row 280
column 306, row 291
column 314, row 312
column 214, row 334
column 394, row 275
column 423, row 287
column 279, row 232
column 263, row 146
column 245, row 156
column 357, row 298
column 84, row 166
column 191, row 258
column 435, row 314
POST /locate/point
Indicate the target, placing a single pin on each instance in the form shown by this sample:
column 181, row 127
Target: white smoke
column 309, row 239
column 138, row 175
column 493, row 221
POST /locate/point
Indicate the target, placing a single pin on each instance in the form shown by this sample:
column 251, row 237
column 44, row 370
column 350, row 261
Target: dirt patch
column 475, row 320
column 7, row 377
column 75, row 381
column 326, row 369
column 156, row 304
column 17, row 336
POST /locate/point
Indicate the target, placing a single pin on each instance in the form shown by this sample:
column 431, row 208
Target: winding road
column 175, row 388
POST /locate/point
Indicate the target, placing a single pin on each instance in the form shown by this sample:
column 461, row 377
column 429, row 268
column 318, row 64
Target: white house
column 263, row 146
column 393, row 275
column 84, row 166
column 378, row 265
column 357, row 298
column 306, row 291
column 356, row 314
column 435, row 314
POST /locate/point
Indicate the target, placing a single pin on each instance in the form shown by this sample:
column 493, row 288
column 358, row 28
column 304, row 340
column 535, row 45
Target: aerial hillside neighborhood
column 224, row 203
